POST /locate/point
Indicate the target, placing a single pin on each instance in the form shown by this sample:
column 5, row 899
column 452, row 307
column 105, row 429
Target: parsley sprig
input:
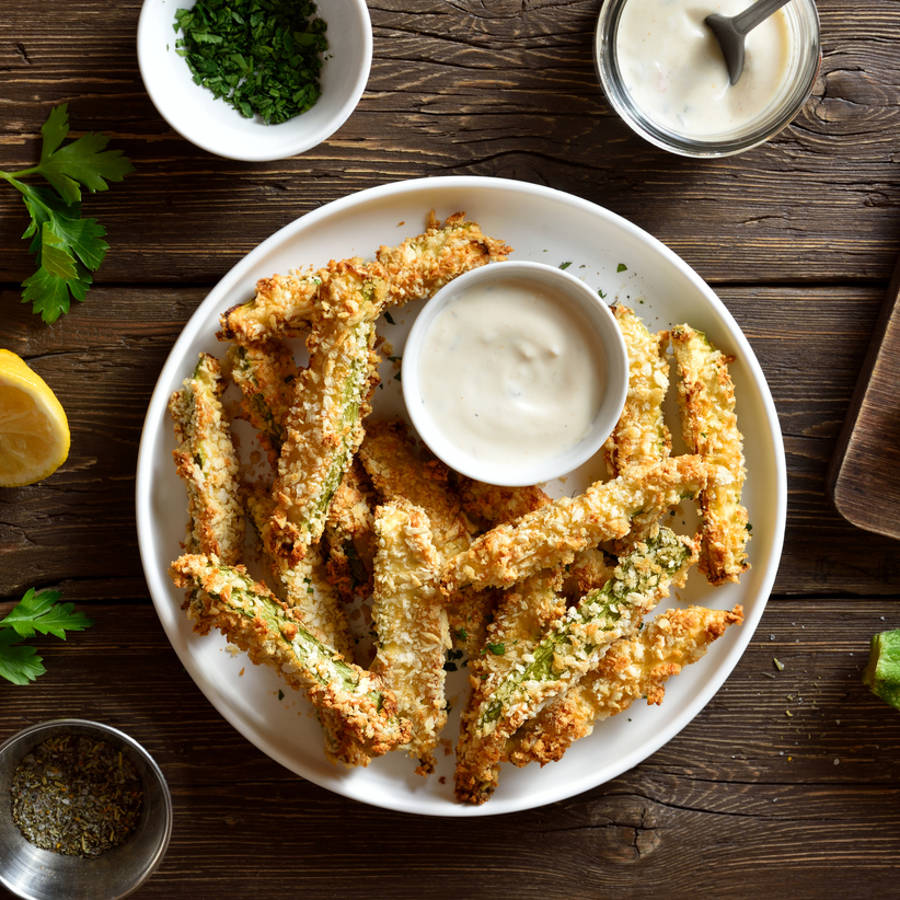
column 34, row 614
column 67, row 247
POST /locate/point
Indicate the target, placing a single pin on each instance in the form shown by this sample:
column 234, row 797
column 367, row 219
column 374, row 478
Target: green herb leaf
column 67, row 248
column 621, row 267
column 497, row 649
column 43, row 613
column 35, row 613
column 565, row 265
column 19, row 663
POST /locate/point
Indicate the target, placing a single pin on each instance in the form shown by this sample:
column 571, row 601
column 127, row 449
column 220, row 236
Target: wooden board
column 865, row 473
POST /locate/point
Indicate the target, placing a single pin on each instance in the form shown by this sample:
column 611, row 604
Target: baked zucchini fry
column 640, row 435
column 423, row 264
column 250, row 616
column 633, row 667
column 551, row 535
column 490, row 504
column 709, row 423
column 411, row 625
column 590, row 569
column 206, row 460
column 286, row 304
column 304, row 586
column 522, row 616
column 397, row 471
column 265, row 374
column 567, row 652
column 324, row 429
column 350, row 535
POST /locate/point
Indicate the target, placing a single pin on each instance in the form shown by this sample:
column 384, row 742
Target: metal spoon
column 731, row 30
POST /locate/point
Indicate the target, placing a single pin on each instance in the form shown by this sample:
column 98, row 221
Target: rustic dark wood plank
column 504, row 89
column 744, row 795
column 103, row 360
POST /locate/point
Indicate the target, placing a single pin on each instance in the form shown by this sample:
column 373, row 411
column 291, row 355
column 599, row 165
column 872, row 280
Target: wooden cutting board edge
column 855, row 449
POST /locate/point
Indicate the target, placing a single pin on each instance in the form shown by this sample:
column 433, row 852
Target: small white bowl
column 565, row 289
column 213, row 125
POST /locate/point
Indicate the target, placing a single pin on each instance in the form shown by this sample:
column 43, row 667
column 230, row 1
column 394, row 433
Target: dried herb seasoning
column 263, row 57
column 76, row 796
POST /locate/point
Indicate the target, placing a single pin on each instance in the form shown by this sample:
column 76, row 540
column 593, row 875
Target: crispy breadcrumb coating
column 489, row 504
column 304, row 586
column 706, row 398
column 250, row 616
column 411, row 624
column 398, row 471
column 206, row 460
column 324, row 429
column 286, row 304
column 265, row 374
column 350, row 534
column 633, row 667
column 522, row 616
column 552, row 535
column 570, row 649
column 640, row 436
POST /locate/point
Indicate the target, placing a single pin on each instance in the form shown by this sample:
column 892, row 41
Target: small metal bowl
column 36, row 874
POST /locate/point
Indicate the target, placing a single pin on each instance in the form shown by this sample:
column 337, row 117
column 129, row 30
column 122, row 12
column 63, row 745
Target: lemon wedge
column 34, row 431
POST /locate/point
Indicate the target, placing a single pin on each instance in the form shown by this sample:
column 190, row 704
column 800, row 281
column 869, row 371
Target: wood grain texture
column 798, row 236
column 744, row 795
column 503, row 89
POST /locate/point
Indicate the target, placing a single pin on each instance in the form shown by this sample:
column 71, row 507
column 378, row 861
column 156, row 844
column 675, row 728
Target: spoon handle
column 751, row 17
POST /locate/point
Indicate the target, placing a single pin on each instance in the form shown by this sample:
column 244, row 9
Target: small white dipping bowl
column 213, row 125
column 565, row 289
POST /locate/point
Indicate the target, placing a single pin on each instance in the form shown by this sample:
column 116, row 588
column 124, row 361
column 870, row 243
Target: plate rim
column 225, row 285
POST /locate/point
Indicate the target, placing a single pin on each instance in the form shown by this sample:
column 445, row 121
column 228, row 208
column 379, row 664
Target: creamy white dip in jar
column 515, row 373
column 663, row 72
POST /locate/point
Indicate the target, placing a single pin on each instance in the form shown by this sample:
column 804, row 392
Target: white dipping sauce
column 673, row 68
column 510, row 374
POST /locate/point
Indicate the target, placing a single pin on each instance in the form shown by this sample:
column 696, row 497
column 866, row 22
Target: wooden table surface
column 788, row 783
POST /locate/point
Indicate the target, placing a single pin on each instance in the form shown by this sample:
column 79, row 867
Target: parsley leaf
column 67, row 247
column 34, row 614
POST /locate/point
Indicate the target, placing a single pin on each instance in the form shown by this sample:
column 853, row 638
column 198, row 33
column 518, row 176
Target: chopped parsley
column 566, row 264
column 263, row 57
column 621, row 267
column 497, row 649
column 602, row 293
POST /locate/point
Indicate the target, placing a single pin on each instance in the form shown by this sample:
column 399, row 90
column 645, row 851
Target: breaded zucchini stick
column 397, row 471
column 286, row 304
column 633, row 667
column 249, row 615
column 350, row 535
column 206, row 460
column 640, row 435
column 324, row 429
column 552, row 535
column 304, row 586
column 522, row 616
column 423, row 264
column 567, row 652
column 411, row 625
column 590, row 569
column 265, row 374
column 709, row 423
column 490, row 504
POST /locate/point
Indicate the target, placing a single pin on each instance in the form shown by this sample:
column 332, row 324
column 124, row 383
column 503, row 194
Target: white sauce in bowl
column 673, row 68
column 510, row 374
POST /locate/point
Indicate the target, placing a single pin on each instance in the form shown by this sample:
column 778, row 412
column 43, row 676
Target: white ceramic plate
column 214, row 126
column 543, row 225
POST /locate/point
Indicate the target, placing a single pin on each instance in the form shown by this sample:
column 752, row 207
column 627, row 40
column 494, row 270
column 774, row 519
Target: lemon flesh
column 34, row 431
